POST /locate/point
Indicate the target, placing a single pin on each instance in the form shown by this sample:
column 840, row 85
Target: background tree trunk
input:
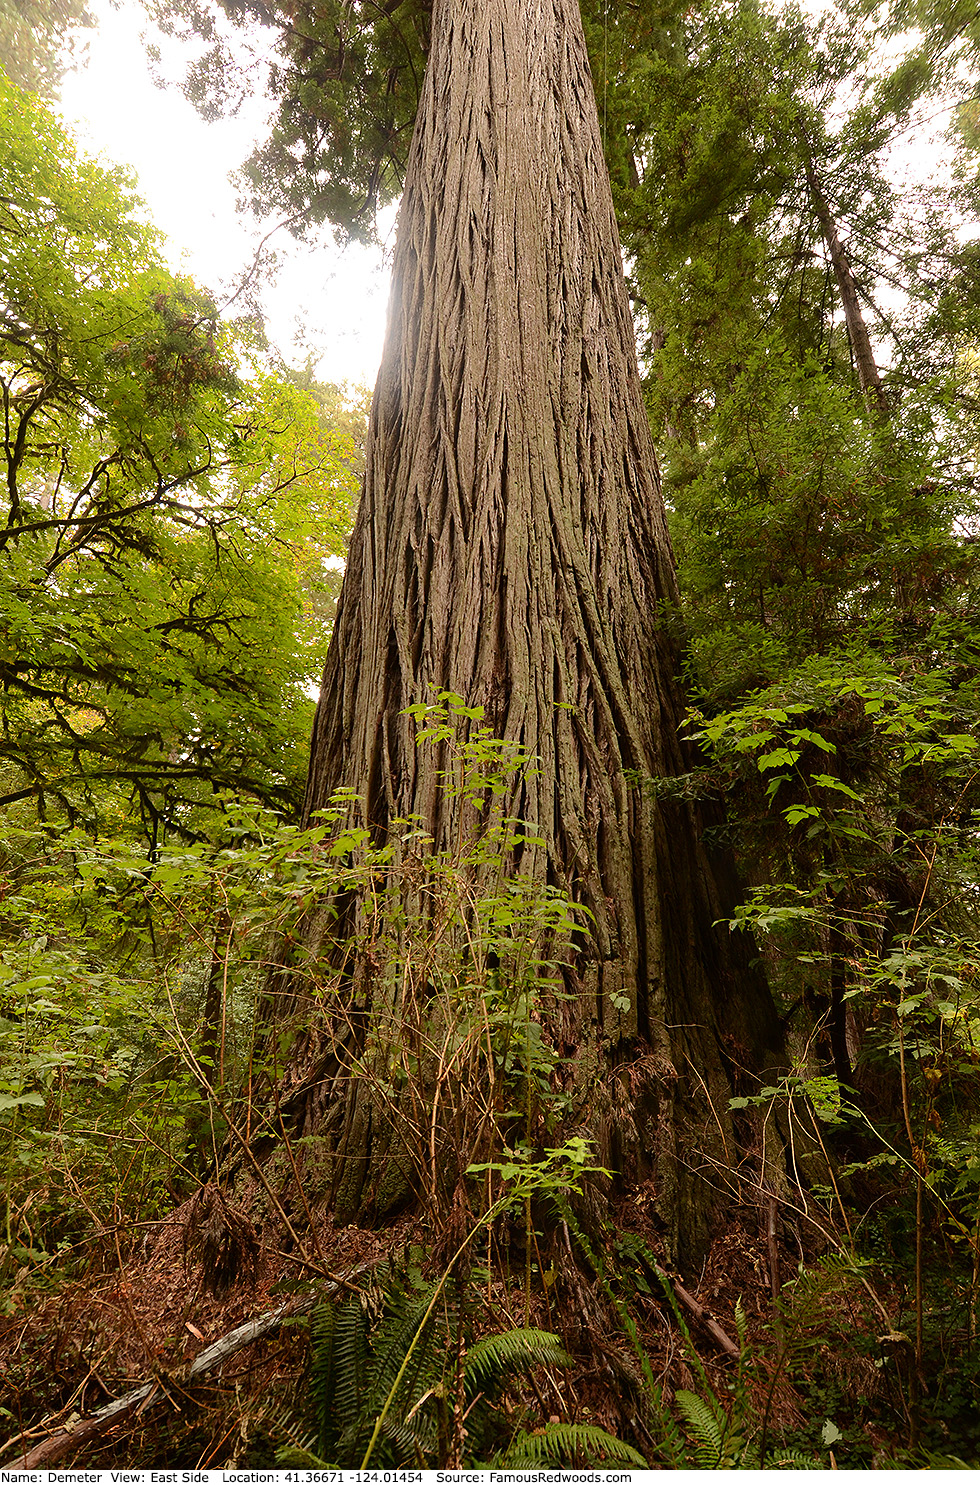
column 862, row 351
column 511, row 547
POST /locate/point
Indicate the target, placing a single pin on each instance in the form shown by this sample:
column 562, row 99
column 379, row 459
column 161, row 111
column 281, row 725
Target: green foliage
column 710, row 1426
column 803, row 521
column 397, row 1357
column 722, row 1425
column 562, row 1445
column 171, row 503
column 345, row 79
column 466, row 948
column 168, row 957
column 730, row 1426
column 39, row 40
column 173, row 500
column 509, row 1351
column 102, row 986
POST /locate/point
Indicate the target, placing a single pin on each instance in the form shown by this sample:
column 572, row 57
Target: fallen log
column 59, row 1444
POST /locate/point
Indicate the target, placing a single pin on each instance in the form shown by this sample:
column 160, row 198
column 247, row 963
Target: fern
column 561, row 1443
column 391, row 1345
column 792, row 1459
column 402, row 1442
column 511, row 1350
column 722, row 1436
column 297, row 1452
column 802, row 1304
column 323, row 1330
column 672, row 1444
column 400, row 1371
column 709, row 1424
column 342, row 1377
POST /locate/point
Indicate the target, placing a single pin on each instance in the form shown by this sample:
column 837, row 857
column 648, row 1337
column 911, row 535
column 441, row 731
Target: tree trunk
column 511, row 547
column 869, row 378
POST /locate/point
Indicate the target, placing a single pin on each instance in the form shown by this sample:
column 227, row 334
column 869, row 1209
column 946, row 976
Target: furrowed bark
column 511, row 547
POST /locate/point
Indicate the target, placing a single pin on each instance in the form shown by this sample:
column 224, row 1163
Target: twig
column 774, row 1277
column 86, row 1428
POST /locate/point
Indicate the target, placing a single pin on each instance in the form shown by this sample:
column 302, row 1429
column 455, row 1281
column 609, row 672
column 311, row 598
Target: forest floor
column 146, row 1310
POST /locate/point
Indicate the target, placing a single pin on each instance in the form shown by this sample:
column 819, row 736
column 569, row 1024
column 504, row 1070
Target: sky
column 325, row 303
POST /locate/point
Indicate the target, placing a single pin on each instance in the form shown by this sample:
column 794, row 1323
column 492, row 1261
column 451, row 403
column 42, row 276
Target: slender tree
column 511, row 548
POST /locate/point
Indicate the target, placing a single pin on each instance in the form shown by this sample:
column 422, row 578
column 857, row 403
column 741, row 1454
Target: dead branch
column 721, row 1338
column 59, row 1444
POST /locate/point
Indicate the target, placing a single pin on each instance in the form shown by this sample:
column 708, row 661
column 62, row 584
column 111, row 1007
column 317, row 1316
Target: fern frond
column 622, row 1310
column 803, row 1299
column 351, row 1362
column 409, row 1448
column 560, row 1442
column 672, row 1443
column 399, row 1445
column 512, row 1350
column 741, row 1326
column 792, row 1459
column 708, row 1423
column 391, row 1345
column 323, row 1328
column 690, row 1350
column 297, row 1450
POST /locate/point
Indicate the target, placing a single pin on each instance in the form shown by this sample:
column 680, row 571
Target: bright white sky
column 325, row 302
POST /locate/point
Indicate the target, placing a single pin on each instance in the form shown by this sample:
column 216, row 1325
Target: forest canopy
column 171, row 505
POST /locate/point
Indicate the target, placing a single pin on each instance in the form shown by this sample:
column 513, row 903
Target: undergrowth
column 134, row 1059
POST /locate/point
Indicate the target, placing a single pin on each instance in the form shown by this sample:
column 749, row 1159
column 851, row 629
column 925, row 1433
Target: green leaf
column 777, row 758
column 827, row 781
column 20, row 1100
column 797, row 812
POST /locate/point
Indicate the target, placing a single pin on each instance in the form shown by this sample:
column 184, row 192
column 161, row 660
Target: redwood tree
column 511, row 548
